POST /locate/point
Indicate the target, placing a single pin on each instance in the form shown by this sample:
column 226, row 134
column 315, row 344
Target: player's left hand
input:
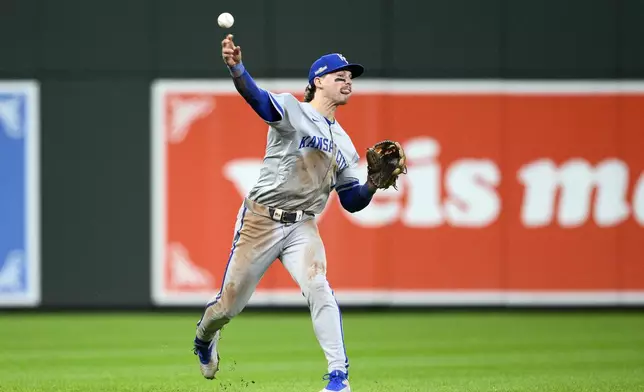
column 386, row 161
column 230, row 52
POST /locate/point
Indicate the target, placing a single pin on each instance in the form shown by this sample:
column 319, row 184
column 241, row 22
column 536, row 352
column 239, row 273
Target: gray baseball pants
column 260, row 240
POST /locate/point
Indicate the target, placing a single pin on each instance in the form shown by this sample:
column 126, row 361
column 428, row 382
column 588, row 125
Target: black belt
column 286, row 216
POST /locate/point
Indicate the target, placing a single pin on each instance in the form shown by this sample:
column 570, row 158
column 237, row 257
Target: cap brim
column 355, row 69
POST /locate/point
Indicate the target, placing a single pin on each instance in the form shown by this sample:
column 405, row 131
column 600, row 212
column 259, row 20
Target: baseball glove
column 385, row 162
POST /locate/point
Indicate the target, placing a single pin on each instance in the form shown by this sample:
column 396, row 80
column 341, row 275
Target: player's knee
column 225, row 307
column 315, row 270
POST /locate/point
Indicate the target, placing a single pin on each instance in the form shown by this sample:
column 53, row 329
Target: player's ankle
column 202, row 342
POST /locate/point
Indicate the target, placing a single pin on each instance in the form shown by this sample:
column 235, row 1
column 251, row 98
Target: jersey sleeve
column 275, row 109
column 354, row 196
column 286, row 105
column 349, row 177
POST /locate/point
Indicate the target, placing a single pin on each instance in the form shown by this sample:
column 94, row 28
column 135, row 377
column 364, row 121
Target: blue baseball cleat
column 208, row 356
column 338, row 382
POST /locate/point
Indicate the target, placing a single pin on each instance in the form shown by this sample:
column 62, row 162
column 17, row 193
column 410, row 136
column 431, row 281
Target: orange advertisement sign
column 517, row 192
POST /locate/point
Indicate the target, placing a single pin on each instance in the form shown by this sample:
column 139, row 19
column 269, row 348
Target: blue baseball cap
column 333, row 62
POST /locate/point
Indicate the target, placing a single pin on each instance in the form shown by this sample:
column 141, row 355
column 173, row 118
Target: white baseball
column 225, row 20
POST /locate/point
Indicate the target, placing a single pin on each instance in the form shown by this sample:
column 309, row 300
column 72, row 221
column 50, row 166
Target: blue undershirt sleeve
column 258, row 98
column 356, row 198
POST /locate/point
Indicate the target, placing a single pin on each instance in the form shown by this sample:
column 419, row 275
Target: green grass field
column 389, row 352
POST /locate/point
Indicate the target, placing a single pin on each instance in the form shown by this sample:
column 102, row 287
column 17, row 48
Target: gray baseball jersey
column 306, row 158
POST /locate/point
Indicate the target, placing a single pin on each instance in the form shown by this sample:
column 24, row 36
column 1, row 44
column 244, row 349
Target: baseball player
column 308, row 155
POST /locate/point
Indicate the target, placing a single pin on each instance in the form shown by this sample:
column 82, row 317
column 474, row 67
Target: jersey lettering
column 290, row 160
column 323, row 144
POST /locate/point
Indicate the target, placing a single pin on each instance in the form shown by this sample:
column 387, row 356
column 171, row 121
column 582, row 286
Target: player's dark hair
column 309, row 93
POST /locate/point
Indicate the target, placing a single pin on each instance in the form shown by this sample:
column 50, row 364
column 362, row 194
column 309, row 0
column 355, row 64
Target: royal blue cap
column 333, row 62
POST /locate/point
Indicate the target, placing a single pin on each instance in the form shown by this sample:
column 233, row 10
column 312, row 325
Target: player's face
column 337, row 87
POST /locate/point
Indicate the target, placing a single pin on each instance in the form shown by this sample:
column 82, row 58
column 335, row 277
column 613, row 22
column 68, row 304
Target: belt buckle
column 277, row 214
column 283, row 216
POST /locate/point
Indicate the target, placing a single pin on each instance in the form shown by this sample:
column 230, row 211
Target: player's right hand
column 229, row 52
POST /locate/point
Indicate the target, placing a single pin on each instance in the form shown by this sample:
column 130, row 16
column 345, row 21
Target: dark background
column 96, row 60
